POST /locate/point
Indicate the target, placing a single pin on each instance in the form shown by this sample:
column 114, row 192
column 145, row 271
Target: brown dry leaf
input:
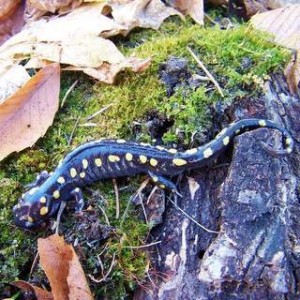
column 193, row 8
column 37, row 8
column 141, row 13
column 11, row 18
column 26, row 115
column 284, row 25
column 63, row 269
column 292, row 73
column 107, row 73
column 39, row 293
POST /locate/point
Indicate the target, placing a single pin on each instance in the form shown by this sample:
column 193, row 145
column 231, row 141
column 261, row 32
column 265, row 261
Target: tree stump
column 253, row 205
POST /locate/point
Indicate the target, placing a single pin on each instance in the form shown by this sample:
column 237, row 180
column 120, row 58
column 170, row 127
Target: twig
column 73, row 131
column 192, row 219
column 142, row 246
column 71, row 88
column 57, row 221
column 201, row 65
column 34, row 264
column 210, row 19
column 105, row 215
column 142, row 186
column 100, row 111
column 143, row 208
column 104, row 278
column 88, row 124
column 117, row 198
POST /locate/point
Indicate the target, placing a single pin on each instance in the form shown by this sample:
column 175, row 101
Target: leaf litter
column 284, row 26
column 73, row 33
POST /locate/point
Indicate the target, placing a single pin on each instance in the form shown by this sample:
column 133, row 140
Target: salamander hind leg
column 77, row 193
column 163, row 183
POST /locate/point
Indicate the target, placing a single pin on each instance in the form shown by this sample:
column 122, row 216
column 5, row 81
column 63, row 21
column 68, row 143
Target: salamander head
column 33, row 208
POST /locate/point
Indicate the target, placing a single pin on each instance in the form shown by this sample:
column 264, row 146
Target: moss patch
column 239, row 59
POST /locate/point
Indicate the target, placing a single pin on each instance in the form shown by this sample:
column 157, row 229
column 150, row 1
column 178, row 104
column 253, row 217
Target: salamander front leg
column 39, row 179
column 77, row 193
column 163, row 183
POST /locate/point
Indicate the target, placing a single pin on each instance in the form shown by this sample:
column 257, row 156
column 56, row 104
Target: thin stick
column 73, row 131
column 192, row 219
column 142, row 186
column 34, row 264
column 57, row 221
column 113, row 263
column 100, row 111
column 201, row 65
column 105, row 215
column 144, row 209
column 142, row 246
column 71, row 88
column 117, row 198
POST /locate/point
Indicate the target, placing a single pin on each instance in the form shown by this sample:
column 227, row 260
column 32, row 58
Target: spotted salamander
column 115, row 158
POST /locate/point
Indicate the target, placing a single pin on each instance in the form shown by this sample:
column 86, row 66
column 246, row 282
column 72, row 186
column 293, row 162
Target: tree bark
column 252, row 203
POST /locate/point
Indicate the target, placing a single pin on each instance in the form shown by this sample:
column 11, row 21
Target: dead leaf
column 193, row 8
column 282, row 23
column 141, row 13
column 12, row 78
column 26, row 115
column 292, row 73
column 37, row 8
column 107, row 72
column 11, row 18
column 39, row 293
column 63, row 269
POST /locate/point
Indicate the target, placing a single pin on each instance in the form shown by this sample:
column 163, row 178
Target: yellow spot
column 143, row 159
column 288, row 141
column 98, row 162
column 121, row 141
column 73, row 172
column 29, row 219
column 155, row 178
column 191, row 151
column 56, row 194
column 85, row 163
column 153, row 162
column 43, row 210
column 237, row 131
column 82, row 174
column 61, row 180
column 162, row 186
column 172, row 150
column 226, row 141
column 113, row 158
column 262, row 123
column 128, row 156
column 43, row 200
column 160, row 148
column 179, row 162
column 207, row 153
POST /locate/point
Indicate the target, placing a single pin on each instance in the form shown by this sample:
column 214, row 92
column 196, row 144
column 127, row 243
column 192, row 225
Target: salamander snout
column 21, row 215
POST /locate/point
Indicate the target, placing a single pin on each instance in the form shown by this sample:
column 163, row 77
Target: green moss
column 239, row 59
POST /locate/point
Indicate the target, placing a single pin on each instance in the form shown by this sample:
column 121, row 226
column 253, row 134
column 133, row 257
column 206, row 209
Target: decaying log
column 253, row 203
